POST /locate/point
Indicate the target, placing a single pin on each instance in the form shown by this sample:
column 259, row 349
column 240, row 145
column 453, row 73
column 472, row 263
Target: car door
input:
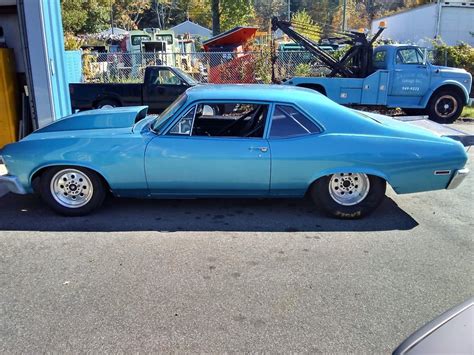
column 411, row 77
column 162, row 87
column 181, row 162
column 296, row 153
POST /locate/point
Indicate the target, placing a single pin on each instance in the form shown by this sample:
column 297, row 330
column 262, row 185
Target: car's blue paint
column 136, row 161
column 394, row 85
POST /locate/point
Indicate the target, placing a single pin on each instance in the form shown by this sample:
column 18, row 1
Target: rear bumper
column 11, row 184
column 457, row 178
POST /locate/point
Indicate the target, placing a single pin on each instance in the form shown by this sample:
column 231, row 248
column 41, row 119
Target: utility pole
column 112, row 17
column 344, row 7
column 344, row 18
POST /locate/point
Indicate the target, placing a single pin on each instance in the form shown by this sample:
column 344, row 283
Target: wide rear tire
column 348, row 195
column 72, row 191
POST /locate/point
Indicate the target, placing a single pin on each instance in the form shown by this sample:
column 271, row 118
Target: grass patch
column 468, row 112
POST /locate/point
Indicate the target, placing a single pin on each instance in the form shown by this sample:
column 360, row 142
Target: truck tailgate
column 441, row 130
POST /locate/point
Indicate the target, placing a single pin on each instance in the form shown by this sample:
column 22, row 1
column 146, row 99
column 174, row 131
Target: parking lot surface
column 231, row 275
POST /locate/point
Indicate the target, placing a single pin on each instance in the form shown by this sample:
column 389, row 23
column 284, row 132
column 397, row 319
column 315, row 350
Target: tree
column 304, row 24
column 356, row 16
column 266, row 9
column 129, row 13
column 216, row 17
column 85, row 16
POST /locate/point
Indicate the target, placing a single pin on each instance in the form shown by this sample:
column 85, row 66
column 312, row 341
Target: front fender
column 426, row 98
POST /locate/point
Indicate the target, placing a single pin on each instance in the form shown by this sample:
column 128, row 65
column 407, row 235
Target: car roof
column 253, row 92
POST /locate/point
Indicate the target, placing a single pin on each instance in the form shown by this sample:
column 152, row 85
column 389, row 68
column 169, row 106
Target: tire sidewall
column 108, row 102
column 96, row 200
column 432, row 109
column 321, row 196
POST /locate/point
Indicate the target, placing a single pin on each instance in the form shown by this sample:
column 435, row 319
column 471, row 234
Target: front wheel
column 348, row 195
column 72, row 191
column 445, row 106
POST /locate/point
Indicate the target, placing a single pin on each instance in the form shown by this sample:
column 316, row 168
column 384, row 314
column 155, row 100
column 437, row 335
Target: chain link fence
column 212, row 67
column 206, row 67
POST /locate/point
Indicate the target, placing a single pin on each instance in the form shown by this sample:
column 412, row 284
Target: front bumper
column 11, row 184
column 457, row 178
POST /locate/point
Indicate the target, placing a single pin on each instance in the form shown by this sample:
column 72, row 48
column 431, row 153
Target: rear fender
column 351, row 169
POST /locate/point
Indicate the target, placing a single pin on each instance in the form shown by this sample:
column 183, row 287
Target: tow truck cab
column 402, row 77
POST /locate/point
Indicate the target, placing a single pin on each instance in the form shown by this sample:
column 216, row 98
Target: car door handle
column 262, row 149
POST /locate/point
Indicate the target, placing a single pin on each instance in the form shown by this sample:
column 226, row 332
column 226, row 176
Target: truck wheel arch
column 108, row 99
column 446, row 86
column 316, row 87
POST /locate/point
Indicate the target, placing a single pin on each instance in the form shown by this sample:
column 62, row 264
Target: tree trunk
column 216, row 18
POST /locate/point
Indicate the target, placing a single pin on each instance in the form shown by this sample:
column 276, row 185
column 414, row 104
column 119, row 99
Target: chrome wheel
column 446, row 106
column 106, row 107
column 71, row 188
column 349, row 189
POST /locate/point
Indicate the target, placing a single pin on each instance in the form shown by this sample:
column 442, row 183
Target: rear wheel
column 348, row 195
column 72, row 191
column 107, row 104
column 445, row 106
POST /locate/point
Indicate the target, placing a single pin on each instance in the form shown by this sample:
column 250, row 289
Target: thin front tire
column 72, row 191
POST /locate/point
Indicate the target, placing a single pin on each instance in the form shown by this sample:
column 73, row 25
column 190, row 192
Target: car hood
column 122, row 117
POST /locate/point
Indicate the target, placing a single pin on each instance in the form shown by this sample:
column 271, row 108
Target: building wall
column 420, row 25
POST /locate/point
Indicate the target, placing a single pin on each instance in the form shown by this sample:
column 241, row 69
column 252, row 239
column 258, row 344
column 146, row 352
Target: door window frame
column 302, row 112
column 182, row 113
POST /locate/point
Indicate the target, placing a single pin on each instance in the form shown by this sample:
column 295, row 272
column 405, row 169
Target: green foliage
column 85, row 16
column 236, row 13
column 458, row 56
column 303, row 69
column 304, row 24
column 71, row 42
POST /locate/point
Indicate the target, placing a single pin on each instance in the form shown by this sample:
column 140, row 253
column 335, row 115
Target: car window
column 289, row 122
column 168, row 113
column 223, row 119
column 409, row 56
column 184, row 126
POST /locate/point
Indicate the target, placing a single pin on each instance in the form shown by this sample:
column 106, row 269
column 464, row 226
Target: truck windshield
column 168, row 113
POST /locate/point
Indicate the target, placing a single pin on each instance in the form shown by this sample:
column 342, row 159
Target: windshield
column 168, row 113
column 189, row 79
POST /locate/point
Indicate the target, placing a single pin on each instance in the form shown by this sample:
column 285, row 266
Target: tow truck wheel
column 445, row 106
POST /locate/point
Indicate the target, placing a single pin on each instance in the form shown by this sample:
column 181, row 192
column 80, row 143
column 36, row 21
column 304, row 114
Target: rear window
column 289, row 122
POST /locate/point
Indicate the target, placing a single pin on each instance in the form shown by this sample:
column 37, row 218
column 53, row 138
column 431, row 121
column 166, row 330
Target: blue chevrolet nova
column 237, row 141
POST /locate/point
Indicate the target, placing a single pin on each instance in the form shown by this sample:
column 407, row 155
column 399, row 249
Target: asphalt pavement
column 231, row 275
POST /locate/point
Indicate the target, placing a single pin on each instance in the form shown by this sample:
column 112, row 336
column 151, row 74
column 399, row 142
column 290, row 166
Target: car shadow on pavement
column 241, row 215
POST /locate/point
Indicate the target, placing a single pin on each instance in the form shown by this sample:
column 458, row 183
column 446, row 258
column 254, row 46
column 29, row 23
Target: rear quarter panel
column 407, row 165
column 86, row 96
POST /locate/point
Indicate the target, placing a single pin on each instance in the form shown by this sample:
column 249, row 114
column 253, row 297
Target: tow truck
column 395, row 75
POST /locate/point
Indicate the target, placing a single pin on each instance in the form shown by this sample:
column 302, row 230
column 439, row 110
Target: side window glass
column 165, row 77
column 185, row 125
column 288, row 122
column 409, row 56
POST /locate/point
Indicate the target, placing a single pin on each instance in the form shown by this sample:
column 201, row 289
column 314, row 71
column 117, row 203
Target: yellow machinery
column 8, row 98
